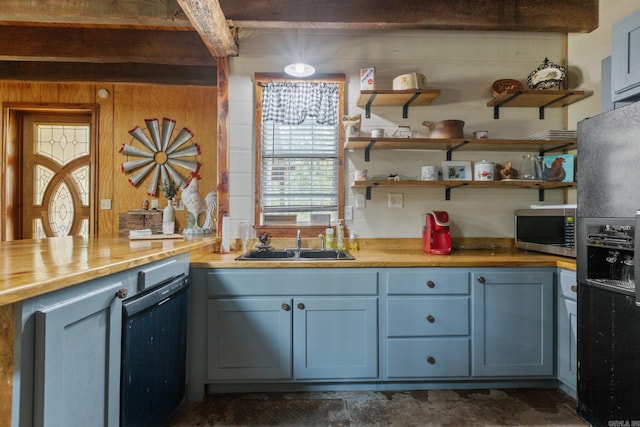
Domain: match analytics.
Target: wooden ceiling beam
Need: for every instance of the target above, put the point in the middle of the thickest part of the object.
(568, 16)
(184, 75)
(103, 45)
(209, 21)
(142, 14)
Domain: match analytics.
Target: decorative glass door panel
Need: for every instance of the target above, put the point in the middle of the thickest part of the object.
(57, 163)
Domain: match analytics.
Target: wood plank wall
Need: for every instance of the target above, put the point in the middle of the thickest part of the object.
(128, 106)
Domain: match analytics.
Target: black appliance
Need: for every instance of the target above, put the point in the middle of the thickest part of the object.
(154, 343)
(608, 298)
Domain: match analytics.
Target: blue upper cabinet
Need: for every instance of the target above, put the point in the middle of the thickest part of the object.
(625, 58)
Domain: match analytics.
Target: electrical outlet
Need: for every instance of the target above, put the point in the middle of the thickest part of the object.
(396, 200)
(348, 213)
(360, 201)
(105, 204)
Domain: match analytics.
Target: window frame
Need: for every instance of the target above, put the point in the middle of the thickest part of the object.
(306, 230)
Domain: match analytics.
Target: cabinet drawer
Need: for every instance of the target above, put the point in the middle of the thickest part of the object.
(568, 284)
(427, 281)
(427, 316)
(427, 357)
(292, 281)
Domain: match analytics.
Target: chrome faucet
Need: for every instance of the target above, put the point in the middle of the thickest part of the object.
(298, 241)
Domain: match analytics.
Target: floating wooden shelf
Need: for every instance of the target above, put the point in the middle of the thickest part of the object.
(448, 185)
(458, 144)
(540, 98)
(404, 98)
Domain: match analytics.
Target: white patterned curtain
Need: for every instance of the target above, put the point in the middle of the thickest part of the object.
(290, 103)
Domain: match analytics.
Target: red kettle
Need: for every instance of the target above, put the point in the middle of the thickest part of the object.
(436, 238)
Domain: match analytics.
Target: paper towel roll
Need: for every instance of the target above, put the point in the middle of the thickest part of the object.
(224, 244)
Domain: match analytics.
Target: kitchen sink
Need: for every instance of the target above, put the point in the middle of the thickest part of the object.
(294, 255)
(325, 254)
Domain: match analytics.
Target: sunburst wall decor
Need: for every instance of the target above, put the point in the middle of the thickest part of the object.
(159, 154)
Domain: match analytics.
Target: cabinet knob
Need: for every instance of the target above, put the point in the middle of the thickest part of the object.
(430, 318)
(122, 293)
(574, 288)
(286, 307)
(430, 284)
(301, 306)
(481, 279)
(431, 360)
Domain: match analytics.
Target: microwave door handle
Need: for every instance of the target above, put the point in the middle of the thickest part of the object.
(636, 258)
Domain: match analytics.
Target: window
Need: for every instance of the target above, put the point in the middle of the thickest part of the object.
(299, 153)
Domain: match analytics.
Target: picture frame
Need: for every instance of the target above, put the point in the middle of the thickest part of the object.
(456, 171)
(558, 167)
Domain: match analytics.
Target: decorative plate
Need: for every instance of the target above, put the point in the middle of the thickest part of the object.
(504, 85)
(546, 76)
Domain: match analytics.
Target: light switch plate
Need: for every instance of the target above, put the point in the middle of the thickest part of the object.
(360, 201)
(105, 204)
(348, 213)
(396, 200)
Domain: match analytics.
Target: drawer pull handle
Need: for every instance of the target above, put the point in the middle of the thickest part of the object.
(430, 318)
(430, 284)
(574, 288)
(122, 293)
(431, 360)
(301, 306)
(286, 307)
(481, 279)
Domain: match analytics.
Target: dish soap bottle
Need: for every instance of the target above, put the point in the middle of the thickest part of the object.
(340, 236)
(353, 241)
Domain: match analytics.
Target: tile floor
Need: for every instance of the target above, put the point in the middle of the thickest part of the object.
(513, 407)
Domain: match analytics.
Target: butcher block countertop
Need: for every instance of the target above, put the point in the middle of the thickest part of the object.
(400, 253)
(34, 267)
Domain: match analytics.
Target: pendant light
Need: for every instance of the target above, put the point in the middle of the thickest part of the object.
(300, 68)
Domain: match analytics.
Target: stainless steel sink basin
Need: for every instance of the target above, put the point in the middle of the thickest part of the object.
(326, 254)
(267, 255)
(294, 255)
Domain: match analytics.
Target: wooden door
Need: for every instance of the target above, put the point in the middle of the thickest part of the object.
(56, 153)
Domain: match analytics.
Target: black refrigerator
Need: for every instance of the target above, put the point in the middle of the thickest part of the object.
(608, 176)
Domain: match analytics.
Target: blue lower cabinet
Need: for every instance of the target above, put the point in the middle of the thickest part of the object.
(249, 338)
(335, 338)
(513, 316)
(427, 357)
(567, 329)
(290, 325)
(425, 325)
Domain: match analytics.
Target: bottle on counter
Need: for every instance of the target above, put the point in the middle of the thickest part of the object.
(329, 242)
(340, 236)
(353, 241)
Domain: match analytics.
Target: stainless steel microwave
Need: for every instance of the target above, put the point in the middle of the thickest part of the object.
(546, 230)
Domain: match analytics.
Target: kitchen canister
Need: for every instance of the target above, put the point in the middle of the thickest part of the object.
(429, 173)
(483, 171)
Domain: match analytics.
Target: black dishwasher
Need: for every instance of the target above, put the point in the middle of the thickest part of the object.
(154, 338)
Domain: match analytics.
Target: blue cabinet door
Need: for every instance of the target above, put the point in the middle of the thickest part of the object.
(249, 338)
(335, 338)
(77, 360)
(567, 332)
(513, 313)
(625, 58)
